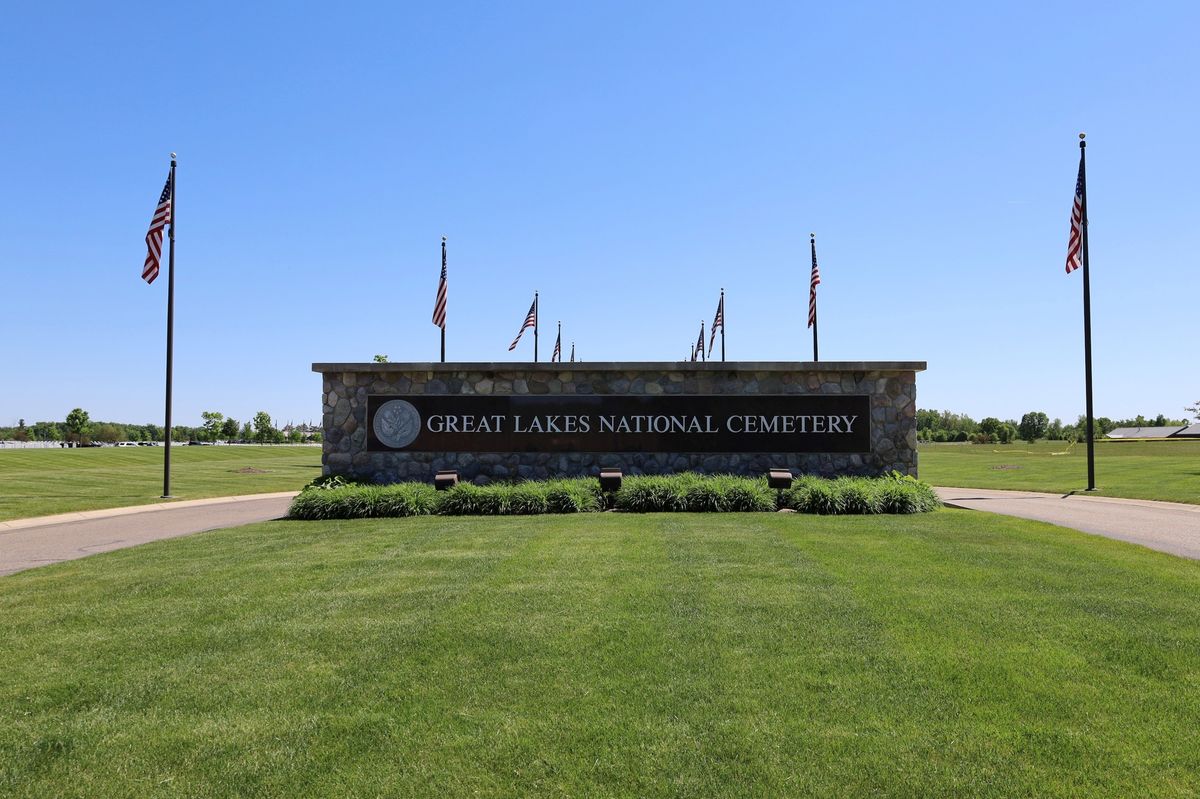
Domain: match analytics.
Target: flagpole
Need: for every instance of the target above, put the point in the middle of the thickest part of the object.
(535, 326)
(703, 354)
(722, 325)
(166, 494)
(1087, 319)
(812, 239)
(558, 341)
(443, 325)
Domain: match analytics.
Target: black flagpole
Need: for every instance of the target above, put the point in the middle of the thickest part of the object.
(722, 325)
(443, 325)
(558, 342)
(812, 239)
(1087, 319)
(703, 356)
(170, 337)
(535, 325)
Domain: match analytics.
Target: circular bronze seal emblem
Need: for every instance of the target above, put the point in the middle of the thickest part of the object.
(397, 423)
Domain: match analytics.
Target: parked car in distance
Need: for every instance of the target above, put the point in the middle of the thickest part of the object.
(126, 443)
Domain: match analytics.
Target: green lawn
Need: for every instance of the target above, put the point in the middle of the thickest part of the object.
(950, 654)
(39, 482)
(1163, 470)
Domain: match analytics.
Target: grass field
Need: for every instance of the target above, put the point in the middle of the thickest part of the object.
(39, 482)
(1163, 470)
(949, 654)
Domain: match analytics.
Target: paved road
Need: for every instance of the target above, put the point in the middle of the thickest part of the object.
(1166, 526)
(26, 543)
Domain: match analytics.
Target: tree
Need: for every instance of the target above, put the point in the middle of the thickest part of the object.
(381, 359)
(212, 424)
(109, 433)
(247, 432)
(264, 431)
(45, 431)
(1194, 410)
(229, 429)
(1033, 426)
(990, 425)
(79, 425)
(1006, 433)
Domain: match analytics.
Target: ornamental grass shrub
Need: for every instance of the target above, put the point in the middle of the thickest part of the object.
(579, 495)
(894, 493)
(746, 494)
(856, 495)
(337, 499)
(354, 501)
(655, 493)
(466, 499)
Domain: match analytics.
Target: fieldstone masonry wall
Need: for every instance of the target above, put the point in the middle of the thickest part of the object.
(345, 386)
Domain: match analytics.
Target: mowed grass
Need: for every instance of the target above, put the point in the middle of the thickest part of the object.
(40, 482)
(948, 654)
(1162, 470)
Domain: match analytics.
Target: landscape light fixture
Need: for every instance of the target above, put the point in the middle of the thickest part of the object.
(779, 478)
(444, 479)
(610, 480)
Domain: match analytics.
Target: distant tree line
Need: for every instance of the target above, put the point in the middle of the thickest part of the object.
(79, 429)
(947, 426)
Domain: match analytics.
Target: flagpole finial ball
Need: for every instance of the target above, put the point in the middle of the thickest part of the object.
(173, 156)
(1083, 135)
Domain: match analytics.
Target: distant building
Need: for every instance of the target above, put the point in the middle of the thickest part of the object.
(1191, 431)
(1151, 432)
(306, 431)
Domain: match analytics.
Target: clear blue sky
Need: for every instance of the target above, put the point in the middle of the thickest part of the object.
(628, 161)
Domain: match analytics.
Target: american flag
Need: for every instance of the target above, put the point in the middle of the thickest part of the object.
(1075, 243)
(719, 319)
(439, 305)
(154, 236)
(556, 357)
(700, 342)
(813, 282)
(530, 321)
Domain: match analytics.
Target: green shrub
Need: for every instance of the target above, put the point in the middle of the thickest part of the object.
(638, 494)
(580, 495)
(822, 498)
(466, 499)
(406, 499)
(342, 502)
(705, 496)
(654, 493)
(856, 495)
(903, 494)
(796, 497)
(746, 494)
(523, 499)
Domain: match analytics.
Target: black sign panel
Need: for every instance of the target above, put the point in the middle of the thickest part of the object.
(624, 423)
